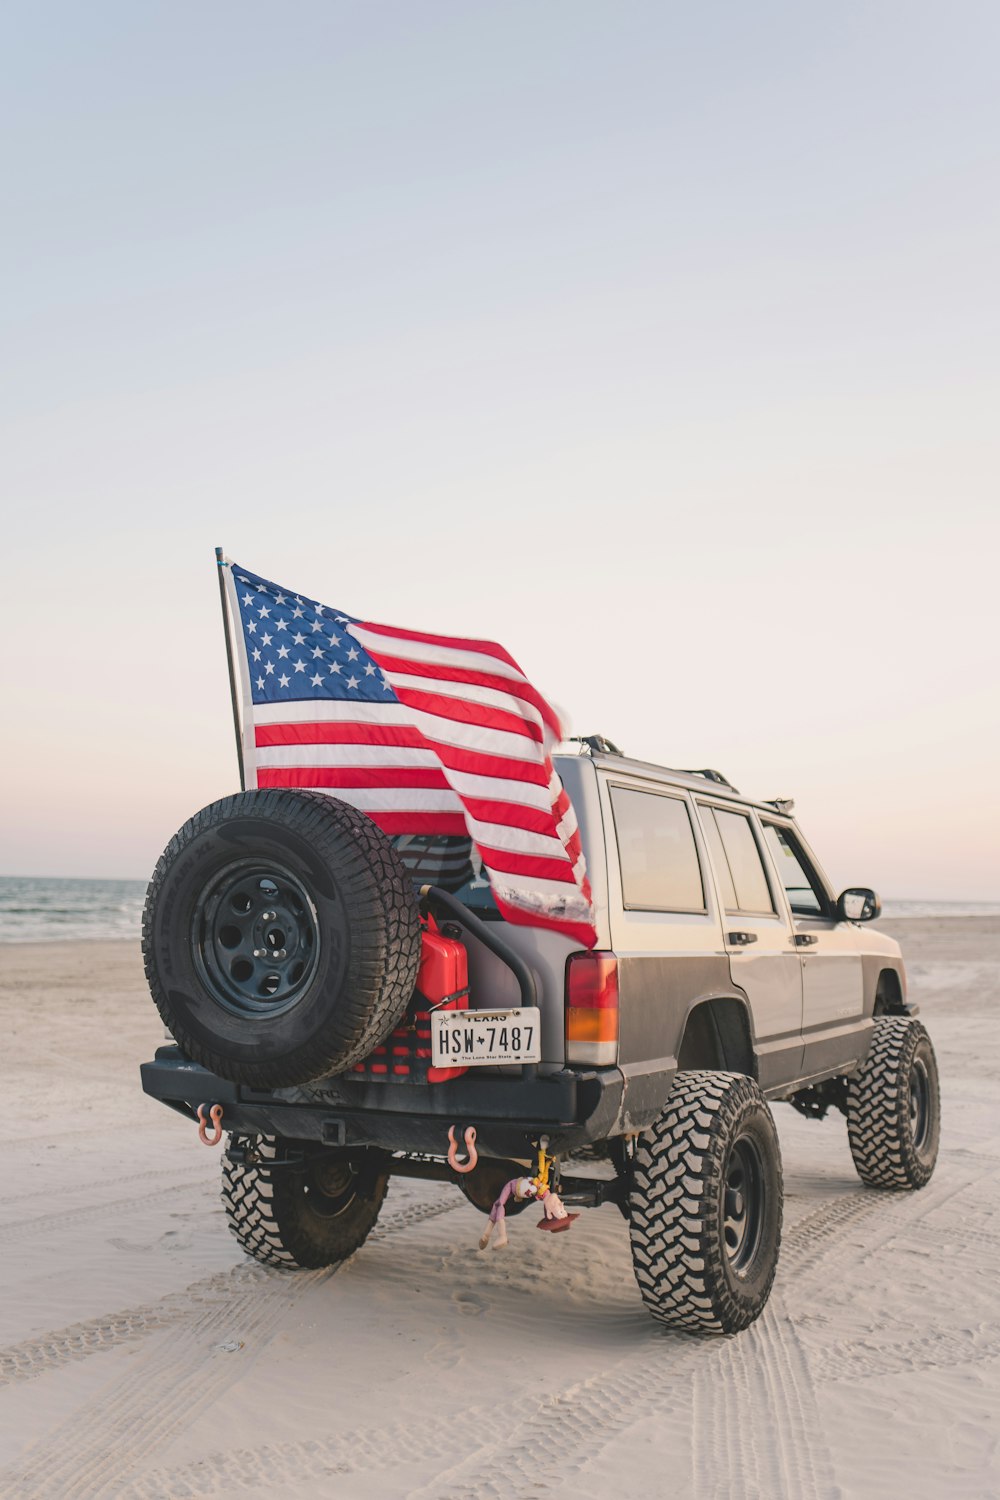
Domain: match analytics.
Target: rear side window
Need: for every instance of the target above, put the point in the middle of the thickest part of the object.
(737, 860)
(656, 852)
(713, 839)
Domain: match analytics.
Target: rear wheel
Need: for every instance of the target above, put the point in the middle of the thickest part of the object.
(302, 1216)
(894, 1107)
(705, 1208)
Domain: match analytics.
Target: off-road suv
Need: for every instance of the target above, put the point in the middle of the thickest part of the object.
(313, 974)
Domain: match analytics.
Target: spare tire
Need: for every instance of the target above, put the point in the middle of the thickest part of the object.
(280, 936)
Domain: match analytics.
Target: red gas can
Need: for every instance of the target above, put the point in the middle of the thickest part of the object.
(442, 984)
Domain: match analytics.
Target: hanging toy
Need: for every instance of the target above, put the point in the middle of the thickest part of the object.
(518, 1188)
(521, 1189)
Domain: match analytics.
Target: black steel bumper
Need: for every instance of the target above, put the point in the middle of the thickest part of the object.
(573, 1108)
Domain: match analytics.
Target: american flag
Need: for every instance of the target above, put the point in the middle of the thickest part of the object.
(427, 734)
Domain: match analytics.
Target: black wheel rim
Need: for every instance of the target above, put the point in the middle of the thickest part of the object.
(920, 1104)
(742, 1204)
(256, 938)
(329, 1188)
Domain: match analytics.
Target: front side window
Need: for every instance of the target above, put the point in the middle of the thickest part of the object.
(805, 894)
(656, 852)
(737, 860)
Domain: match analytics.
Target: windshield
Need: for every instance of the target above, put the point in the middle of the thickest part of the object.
(453, 863)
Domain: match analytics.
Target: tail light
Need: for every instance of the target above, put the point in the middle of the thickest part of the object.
(592, 1008)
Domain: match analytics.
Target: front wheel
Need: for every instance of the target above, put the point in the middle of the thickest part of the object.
(894, 1107)
(705, 1207)
(305, 1213)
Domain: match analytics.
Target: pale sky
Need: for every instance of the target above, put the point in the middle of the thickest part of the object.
(658, 342)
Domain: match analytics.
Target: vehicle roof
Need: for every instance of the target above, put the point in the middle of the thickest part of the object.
(693, 781)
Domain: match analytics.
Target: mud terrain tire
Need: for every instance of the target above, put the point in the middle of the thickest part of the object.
(298, 1219)
(705, 1206)
(280, 937)
(894, 1107)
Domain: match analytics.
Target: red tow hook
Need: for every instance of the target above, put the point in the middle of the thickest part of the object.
(216, 1114)
(470, 1146)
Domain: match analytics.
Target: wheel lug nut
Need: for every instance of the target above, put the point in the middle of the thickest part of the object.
(260, 953)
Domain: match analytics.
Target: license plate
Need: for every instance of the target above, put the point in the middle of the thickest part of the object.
(476, 1038)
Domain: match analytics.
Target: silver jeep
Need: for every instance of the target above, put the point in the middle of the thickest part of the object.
(282, 937)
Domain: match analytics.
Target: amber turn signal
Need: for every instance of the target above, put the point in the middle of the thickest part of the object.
(592, 1008)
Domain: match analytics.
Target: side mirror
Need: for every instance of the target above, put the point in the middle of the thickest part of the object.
(858, 904)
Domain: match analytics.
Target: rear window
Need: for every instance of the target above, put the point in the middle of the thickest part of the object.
(453, 863)
(656, 852)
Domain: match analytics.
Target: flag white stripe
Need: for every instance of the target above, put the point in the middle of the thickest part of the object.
(330, 711)
(373, 799)
(516, 840)
(377, 644)
(568, 826)
(362, 756)
(476, 738)
(473, 737)
(529, 885)
(422, 800)
(376, 757)
(497, 789)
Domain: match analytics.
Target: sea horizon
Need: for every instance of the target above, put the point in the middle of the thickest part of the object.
(68, 908)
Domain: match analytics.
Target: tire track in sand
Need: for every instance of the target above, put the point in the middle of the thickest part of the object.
(106, 1182)
(862, 1359)
(45, 1223)
(94, 1453)
(776, 1450)
(757, 1428)
(50, 1351)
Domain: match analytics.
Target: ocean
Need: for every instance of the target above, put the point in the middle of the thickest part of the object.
(37, 910)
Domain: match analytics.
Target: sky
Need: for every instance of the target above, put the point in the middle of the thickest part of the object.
(658, 342)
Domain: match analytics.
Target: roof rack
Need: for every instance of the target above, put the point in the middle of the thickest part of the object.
(710, 775)
(596, 744)
(781, 804)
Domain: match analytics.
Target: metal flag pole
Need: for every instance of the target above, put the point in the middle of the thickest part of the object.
(221, 564)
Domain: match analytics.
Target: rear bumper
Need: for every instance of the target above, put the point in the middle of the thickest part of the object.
(572, 1107)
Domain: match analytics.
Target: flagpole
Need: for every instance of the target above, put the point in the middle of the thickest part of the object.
(226, 625)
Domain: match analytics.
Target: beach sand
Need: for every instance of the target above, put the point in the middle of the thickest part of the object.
(142, 1355)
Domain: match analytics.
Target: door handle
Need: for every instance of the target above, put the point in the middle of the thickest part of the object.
(805, 939)
(741, 939)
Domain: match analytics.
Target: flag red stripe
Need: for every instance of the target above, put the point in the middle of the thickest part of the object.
(462, 711)
(561, 805)
(514, 814)
(337, 734)
(442, 673)
(475, 762)
(581, 932)
(418, 777)
(457, 643)
(531, 865)
(573, 847)
(413, 822)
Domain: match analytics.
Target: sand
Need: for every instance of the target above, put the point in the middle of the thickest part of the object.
(142, 1355)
